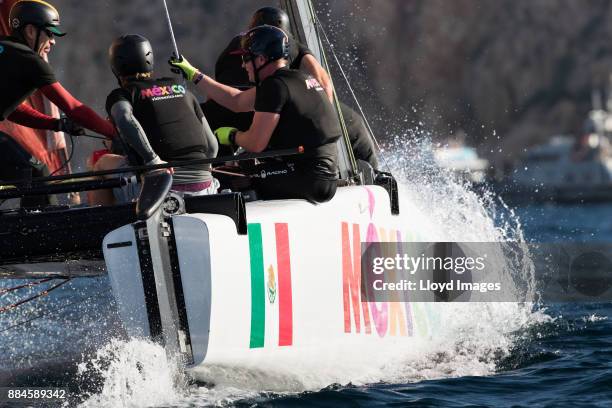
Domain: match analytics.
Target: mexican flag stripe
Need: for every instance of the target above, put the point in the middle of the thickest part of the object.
(258, 305)
(271, 291)
(285, 321)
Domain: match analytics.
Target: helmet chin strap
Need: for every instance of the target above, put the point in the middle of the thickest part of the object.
(118, 80)
(37, 42)
(22, 36)
(256, 70)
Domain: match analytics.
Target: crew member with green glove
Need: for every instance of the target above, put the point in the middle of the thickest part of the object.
(228, 71)
(291, 110)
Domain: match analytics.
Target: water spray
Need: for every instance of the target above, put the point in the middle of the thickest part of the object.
(350, 88)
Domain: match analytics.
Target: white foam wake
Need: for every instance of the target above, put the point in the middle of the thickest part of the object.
(134, 373)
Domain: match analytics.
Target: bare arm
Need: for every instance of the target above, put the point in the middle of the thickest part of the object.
(231, 98)
(211, 140)
(258, 136)
(210, 137)
(312, 66)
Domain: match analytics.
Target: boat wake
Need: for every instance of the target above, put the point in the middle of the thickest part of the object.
(470, 340)
(131, 373)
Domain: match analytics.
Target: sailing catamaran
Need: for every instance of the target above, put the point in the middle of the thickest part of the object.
(226, 279)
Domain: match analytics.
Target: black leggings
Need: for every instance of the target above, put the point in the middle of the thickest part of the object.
(276, 181)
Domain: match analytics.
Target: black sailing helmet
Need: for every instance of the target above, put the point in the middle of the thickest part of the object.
(270, 16)
(36, 12)
(266, 40)
(130, 54)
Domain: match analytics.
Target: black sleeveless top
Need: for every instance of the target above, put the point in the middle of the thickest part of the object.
(170, 116)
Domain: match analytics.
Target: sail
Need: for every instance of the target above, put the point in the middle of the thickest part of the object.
(48, 147)
(304, 23)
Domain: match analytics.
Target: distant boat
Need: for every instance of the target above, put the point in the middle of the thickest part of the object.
(463, 161)
(568, 168)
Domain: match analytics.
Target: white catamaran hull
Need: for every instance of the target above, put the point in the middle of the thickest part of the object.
(287, 291)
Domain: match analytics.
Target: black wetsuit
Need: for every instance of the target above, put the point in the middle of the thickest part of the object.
(229, 71)
(361, 138)
(171, 118)
(307, 119)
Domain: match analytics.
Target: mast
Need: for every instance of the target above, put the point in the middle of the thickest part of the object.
(303, 24)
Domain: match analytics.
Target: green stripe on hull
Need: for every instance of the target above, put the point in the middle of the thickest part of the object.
(258, 293)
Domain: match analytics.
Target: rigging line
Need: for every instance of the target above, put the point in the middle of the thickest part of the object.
(54, 312)
(26, 285)
(169, 22)
(177, 55)
(68, 159)
(140, 169)
(365, 119)
(38, 295)
(336, 101)
(229, 173)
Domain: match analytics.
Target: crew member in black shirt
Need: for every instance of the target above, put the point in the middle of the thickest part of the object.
(291, 110)
(229, 71)
(159, 121)
(34, 24)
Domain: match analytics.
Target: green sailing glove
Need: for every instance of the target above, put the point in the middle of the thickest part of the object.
(226, 135)
(183, 67)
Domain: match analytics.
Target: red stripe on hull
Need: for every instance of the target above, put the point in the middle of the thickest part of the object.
(285, 301)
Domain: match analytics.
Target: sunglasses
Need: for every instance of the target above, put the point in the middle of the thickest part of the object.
(247, 58)
(49, 34)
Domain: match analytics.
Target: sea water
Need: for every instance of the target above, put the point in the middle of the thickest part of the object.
(486, 354)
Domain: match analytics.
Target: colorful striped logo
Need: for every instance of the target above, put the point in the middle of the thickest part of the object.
(395, 318)
(265, 259)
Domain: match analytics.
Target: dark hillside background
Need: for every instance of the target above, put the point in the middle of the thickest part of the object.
(510, 73)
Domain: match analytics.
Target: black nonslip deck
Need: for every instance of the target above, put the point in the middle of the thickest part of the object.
(61, 233)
